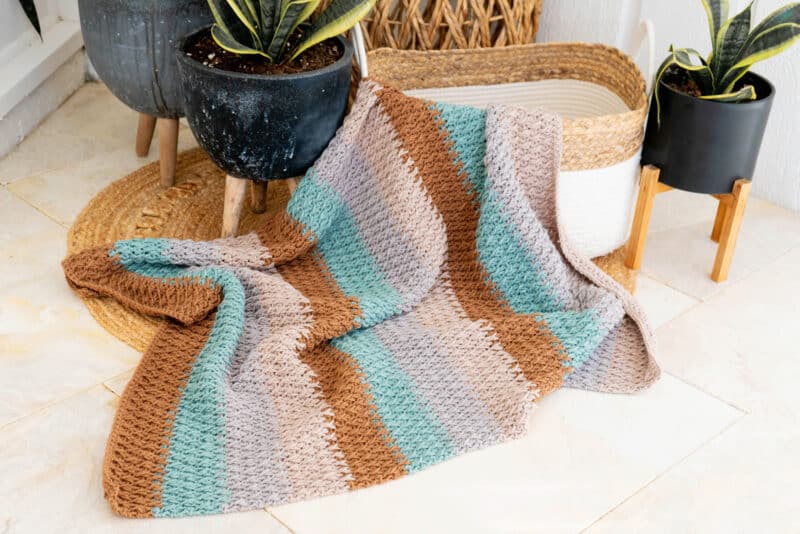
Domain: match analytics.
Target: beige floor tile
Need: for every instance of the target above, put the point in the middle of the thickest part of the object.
(50, 347)
(31, 244)
(63, 192)
(661, 303)
(743, 345)
(51, 465)
(744, 481)
(585, 453)
(91, 121)
(682, 257)
(680, 208)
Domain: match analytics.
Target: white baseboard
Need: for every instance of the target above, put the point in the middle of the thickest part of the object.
(38, 79)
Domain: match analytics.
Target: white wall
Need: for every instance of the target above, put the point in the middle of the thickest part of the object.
(16, 32)
(683, 23)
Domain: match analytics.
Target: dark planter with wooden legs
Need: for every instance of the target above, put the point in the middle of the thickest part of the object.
(702, 146)
(262, 127)
(132, 44)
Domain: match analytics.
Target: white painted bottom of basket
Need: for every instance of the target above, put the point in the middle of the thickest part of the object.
(596, 205)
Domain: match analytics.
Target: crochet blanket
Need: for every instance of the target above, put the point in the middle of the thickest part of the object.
(409, 306)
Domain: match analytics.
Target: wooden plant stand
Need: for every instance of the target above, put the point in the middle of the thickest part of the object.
(167, 144)
(726, 223)
(235, 191)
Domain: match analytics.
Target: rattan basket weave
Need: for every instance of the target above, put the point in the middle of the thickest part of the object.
(446, 24)
(589, 142)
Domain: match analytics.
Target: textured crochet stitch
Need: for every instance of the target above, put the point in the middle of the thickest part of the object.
(409, 306)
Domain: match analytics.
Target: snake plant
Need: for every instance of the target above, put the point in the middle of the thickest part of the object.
(30, 11)
(735, 47)
(263, 26)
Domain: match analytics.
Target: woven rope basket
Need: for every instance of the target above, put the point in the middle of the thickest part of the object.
(589, 142)
(440, 25)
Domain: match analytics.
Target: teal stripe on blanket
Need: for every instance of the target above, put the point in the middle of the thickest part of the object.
(346, 255)
(413, 427)
(510, 265)
(195, 483)
(511, 268)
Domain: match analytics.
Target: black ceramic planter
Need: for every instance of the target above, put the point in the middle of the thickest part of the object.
(132, 46)
(264, 127)
(705, 146)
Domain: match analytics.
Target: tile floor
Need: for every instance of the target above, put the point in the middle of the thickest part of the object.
(713, 446)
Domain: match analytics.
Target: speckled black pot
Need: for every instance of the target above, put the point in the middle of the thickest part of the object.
(705, 146)
(265, 127)
(132, 46)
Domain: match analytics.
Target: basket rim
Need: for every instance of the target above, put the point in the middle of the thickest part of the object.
(642, 99)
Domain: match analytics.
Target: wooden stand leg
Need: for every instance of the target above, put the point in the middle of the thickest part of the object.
(648, 188)
(258, 196)
(729, 232)
(235, 190)
(144, 134)
(719, 220)
(292, 184)
(168, 149)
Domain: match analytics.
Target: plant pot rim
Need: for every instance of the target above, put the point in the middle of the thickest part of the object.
(762, 79)
(188, 60)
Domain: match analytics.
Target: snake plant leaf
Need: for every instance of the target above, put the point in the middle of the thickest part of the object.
(729, 79)
(250, 22)
(747, 92)
(308, 10)
(730, 41)
(290, 11)
(226, 41)
(717, 13)
(30, 11)
(229, 22)
(269, 13)
(701, 74)
(338, 17)
(253, 11)
(789, 13)
(662, 69)
(769, 43)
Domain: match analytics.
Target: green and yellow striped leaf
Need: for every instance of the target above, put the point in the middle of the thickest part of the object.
(730, 78)
(308, 10)
(290, 11)
(270, 12)
(747, 92)
(717, 13)
(789, 13)
(226, 41)
(243, 13)
(338, 17)
(701, 74)
(769, 43)
(730, 41)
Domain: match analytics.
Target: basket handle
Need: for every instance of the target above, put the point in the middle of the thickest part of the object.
(647, 32)
(357, 36)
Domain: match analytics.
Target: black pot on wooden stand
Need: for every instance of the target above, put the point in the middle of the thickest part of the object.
(259, 127)
(132, 46)
(702, 146)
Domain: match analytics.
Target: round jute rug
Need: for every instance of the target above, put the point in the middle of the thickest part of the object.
(139, 206)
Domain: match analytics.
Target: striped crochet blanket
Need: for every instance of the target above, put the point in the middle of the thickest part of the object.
(409, 306)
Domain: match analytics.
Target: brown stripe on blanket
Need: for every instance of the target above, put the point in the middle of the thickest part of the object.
(526, 337)
(95, 272)
(360, 433)
(137, 448)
